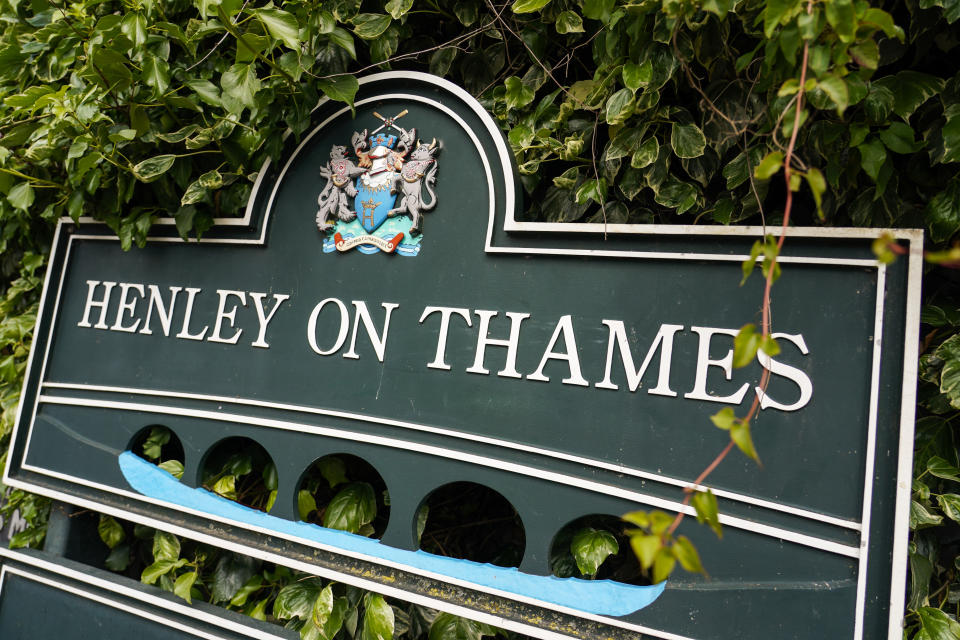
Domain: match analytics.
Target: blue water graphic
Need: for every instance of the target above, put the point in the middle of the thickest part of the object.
(603, 597)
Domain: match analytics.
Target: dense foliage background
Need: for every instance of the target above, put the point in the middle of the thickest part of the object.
(668, 111)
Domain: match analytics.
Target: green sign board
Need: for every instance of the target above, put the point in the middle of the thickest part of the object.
(382, 297)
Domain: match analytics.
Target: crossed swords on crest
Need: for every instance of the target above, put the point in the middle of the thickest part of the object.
(389, 122)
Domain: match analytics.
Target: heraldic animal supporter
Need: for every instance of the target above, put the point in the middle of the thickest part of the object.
(391, 185)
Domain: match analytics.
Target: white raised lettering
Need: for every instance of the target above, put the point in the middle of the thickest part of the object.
(483, 341)
(704, 363)
(91, 303)
(127, 306)
(263, 319)
(662, 341)
(185, 329)
(565, 326)
(439, 360)
(379, 342)
(223, 314)
(163, 313)
(312, 327)
(799, 378)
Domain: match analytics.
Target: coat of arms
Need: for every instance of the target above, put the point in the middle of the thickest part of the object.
(377, 202)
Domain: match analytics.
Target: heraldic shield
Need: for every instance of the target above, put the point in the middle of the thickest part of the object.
(391, 187)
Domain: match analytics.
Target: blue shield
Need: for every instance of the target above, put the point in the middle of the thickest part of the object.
(373, 200)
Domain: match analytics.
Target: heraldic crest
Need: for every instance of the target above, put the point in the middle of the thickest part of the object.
(377, 202)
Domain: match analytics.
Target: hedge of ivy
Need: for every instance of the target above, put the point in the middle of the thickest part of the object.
(639, 111)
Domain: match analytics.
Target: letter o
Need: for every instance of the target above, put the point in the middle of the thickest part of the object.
(312, 327)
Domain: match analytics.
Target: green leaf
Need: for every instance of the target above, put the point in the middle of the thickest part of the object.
(920, 517)
(195, 193)
(281, 26)
(724, 419)
(836, 90)
(371, 25)
(872, 156)
(21, 196)
(950, 505)
(159, 568)
(569, 22)
(183, 585)
(910, 90)
(567, 179)
(663, 565)
(775, 12)
(110, 531)
(884, 20)
(687, 140)
(637, 76)
(770, 165)
(940, 468)
(528, 6)
(646, 154)
(341, 88)
(518, 94)
(719, 7)
(378, 618)
(134, 26)
(231, 573)
(687, 555)
(842, 17)
(899, 138)
(740, 434)
(397, 8)
(937, 625)
(354, 506)
(333, 470)
(705, 504)
(943, 219)
(343, 39)
(447, 626)
(745, 345)
(619, 107)
(152, 168)
(119, 558)
(646, 548)
(306, 504)
(156, 73)
(207, 91)
(296, 600)
(818, 185)
(166, 546)
(240, 86)
(595, 190)
(590, 547)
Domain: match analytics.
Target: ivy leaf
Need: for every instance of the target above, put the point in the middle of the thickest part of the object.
(872, 156)
(240, 86)
(920, 517)
(842, 17)
(569, 22)
(232, 572)
(910, 89)
(518, 94)
(646, 548)
(341, 88)
(740, 434)
(646, 154)
(110, 531)
(183, 585)
(567, 179)
(296, 600)
(724, 419)
(226, 486)
(770, 164)
(160, 568)
(119, 558)
(333, 470)
(152, 168)
(306, 504)
(447, 626)
(745, 345)
(836, 90)
(397, 8)
(663, 565)
(354, 506)
(134, 26)
(281, 26)
(687, 140)
(937, 625)
(705, 504)
(21, 196)
(950, 505)
(371, 25)
(687, 555)
(774, 12)
(940, 468)
(528, 6)
(378, 619)
(595, 190)
(818, 185)
(195, 193)
(943, 219)
(156, 73)
(590, 547)
(619, 107)
(166, 546)
(899, 138)
(637, 76)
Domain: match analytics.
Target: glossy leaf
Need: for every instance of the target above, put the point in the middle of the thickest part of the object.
(378, 619)
(687, 140)
(354, 506)
(281, 26)
(590, 547)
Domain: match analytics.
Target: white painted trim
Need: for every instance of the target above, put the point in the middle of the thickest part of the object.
(362, 583)
(908, 405)
(504, 465)
(87, 595)
(506, 444)
(870, 452)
